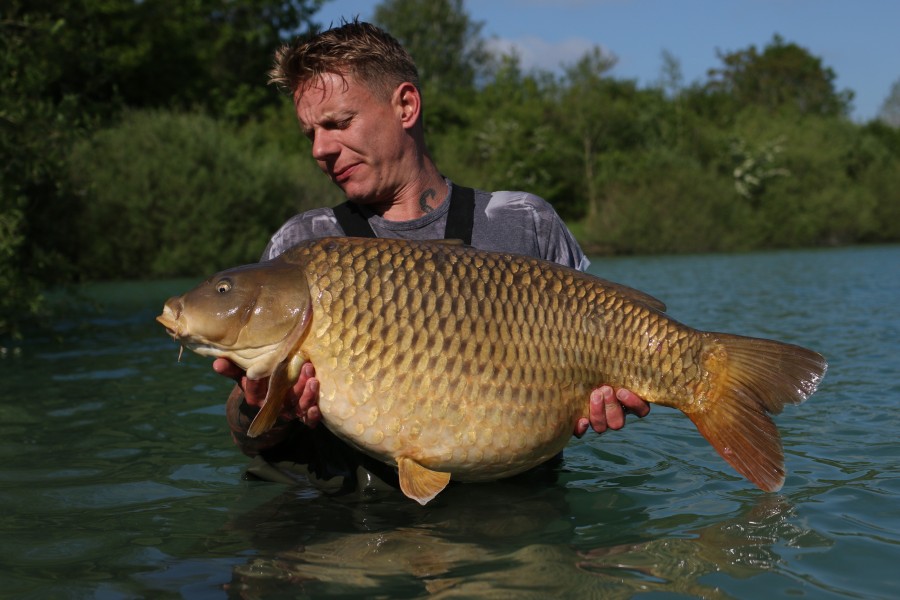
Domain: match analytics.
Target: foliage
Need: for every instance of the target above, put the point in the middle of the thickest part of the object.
(782, 76)
(507, 141)
(35, 133)
(658, 201)
(169, 194)
(449, 52)
(138, 139)
(156, 53)
(889, 114)
(68, 66)
(440, 36)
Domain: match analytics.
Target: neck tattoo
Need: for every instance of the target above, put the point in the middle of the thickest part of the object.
(423, 200)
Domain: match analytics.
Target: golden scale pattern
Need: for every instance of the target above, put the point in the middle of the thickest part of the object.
(451, 335)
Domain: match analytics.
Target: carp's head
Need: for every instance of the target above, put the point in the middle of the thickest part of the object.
(253, 315)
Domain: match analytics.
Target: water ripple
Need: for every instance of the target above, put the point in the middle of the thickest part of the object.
(120, 478)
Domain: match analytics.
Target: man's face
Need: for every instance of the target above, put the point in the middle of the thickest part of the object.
(357, 137)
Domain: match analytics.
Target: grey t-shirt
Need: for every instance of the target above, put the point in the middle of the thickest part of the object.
(504, 222)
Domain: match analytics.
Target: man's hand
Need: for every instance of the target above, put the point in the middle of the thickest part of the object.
(303, 398)
(608, 409)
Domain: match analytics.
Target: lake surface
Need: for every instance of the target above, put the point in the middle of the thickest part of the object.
(119, 478)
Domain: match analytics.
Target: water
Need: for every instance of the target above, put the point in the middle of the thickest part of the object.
(119, 479)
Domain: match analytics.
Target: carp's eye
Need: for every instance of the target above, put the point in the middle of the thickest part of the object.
(224, 286)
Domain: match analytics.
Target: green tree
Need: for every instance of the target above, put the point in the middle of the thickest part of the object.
(588, 113)
(446, 44)
(889, 113)
(805, 181)
(783, 75)
(671, 81)
(171, 194)
(662, 201)
(70, 65)
(210, 54)
(608, 123)
(509, 143)
(36, 129)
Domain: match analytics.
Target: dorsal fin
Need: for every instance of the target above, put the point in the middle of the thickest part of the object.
(634, 295)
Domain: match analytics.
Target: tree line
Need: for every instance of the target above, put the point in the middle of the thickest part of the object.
(140, 140)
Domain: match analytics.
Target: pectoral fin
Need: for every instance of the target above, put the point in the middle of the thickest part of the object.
(280, 383)
(283, 377)
(420, 483)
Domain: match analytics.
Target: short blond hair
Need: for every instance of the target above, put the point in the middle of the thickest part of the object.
(362, 50)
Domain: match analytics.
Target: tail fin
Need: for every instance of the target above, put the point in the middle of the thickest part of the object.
(751, 378)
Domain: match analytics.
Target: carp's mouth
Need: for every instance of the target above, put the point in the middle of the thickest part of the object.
(171, 320)
(176, 324)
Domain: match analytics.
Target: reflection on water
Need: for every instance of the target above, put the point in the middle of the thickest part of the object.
(362, 547)
(476, 545)
(119, 479)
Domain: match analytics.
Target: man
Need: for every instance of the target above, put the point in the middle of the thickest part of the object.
(356, 95)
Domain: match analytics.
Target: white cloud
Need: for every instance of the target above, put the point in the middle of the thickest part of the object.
(557, 4)
(535, 52)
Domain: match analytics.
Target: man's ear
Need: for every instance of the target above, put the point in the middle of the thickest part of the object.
(408, 104)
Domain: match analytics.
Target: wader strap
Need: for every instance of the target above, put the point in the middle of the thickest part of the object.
(352, 221)
(460, 217)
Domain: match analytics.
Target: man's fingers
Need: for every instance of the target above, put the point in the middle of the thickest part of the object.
(581, 427)
(309, 396)
(255, 390)
(633, 403)
(598, 408)
(313, 417)
(609, 408)
(308, 403)
(306, 373)
(615, 414)
(306, 388)
(225, 367)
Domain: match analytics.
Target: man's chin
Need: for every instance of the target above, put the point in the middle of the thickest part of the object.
(356, 196)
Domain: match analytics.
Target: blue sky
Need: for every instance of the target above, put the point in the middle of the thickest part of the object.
(858, 39)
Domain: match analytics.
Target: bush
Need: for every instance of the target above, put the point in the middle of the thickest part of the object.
(824, 198)
(661, 202)
(169, 194)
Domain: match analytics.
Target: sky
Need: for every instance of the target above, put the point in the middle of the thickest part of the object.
(858, 39)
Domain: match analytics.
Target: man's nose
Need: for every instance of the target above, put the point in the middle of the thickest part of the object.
(324, 145)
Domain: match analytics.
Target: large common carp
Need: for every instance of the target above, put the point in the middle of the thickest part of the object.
(448, 361)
